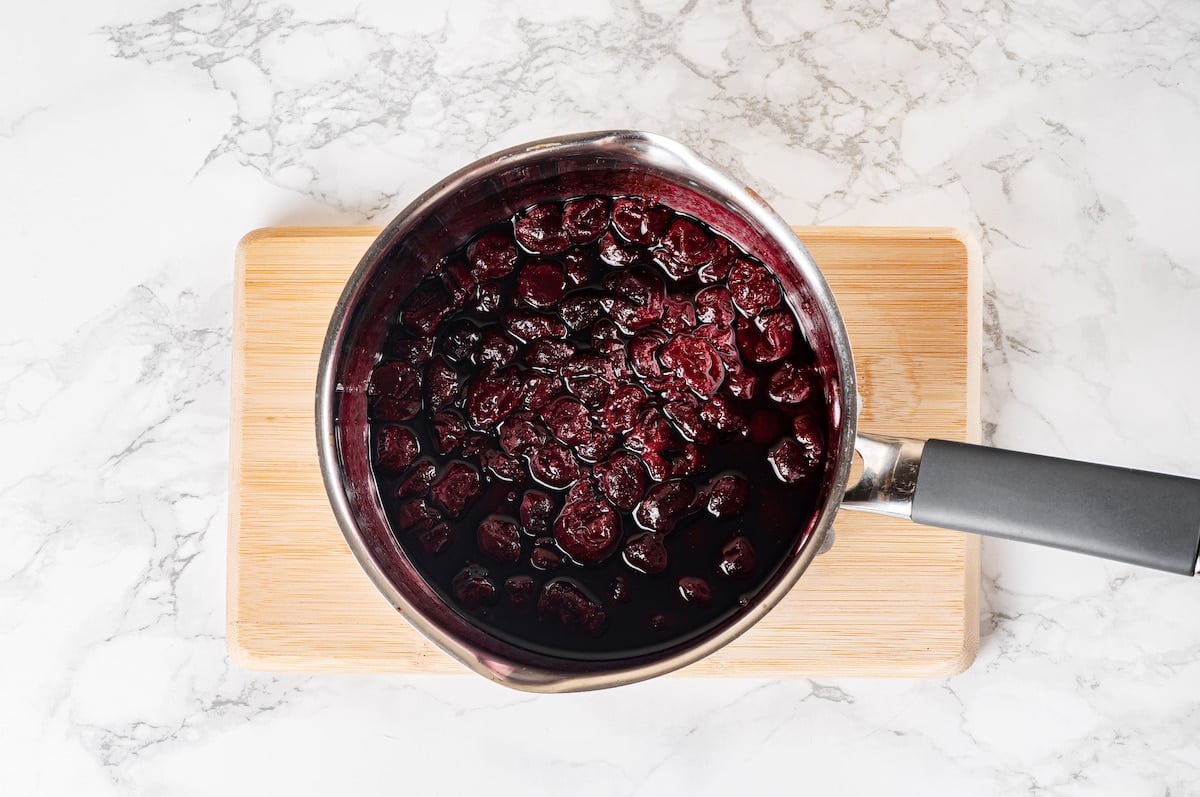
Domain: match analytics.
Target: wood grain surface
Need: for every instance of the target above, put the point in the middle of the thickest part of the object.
(891, 598)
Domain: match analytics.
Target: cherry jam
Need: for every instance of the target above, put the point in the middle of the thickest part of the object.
(597, 427)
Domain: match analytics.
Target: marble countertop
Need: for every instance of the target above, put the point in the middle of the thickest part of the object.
(140, 140)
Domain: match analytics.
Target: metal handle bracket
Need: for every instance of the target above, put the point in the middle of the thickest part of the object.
(889, 475)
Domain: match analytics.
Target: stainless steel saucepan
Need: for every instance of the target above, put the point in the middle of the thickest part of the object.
(1132, 516)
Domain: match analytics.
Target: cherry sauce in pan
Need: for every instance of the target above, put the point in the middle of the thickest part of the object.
(597, 428)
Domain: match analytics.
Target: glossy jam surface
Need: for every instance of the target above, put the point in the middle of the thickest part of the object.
(597, 427)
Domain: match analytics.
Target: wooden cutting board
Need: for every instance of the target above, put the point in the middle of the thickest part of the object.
(890, 598)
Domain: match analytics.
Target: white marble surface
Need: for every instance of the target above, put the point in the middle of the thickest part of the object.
(139, 140)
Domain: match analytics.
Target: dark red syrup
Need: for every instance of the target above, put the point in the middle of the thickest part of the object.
(597, 427)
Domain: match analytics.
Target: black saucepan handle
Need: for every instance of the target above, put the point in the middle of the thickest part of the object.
(1134, 516)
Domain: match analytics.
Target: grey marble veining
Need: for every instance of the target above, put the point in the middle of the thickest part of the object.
(139, 141)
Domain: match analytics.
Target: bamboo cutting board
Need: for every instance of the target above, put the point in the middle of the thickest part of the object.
(890, 598)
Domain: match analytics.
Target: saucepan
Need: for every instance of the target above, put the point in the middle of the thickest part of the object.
(1143, 518)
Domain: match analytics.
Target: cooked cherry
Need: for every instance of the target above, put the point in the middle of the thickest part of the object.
(622, 480)
(542, 283)
(490, 299)
(694, 361)
(665, 504)
(616, 252)
(540, 229)
(714, 305)
(520, 434)
(554, 466)
(614, 351)
(413, 350)
(520, 590)
(741, 385)
(640, 220)
(587, 531)
(419, 479)
(621, 409)
(396, 391)
(575, 266)
(427, 306)
(473, 588)
(460, 282)
(776, 330)
(493, 255)
(721, 259)
(686, 415)
(493, 395)
(415, 514)
(572, 607)
(578, 312)
(661, 624)
(397, 447)
(500, 539)
(643, 353)
(679, 315)
(461, 340)
(595, 445)
(650, 433)
(528, 326)
(456, 487)
(441, 382)
(737, 558)
(791, 384)
(646, 553)
(549, 354)
(724, 343)
(695, 591)
(637, 302)
(727, 495)
(752, 287)
(495, 348)
(590, 377)
(685, 246)
(503, 467)
(689, 461)
(434, 540)
(538, 388)
(475, 444)
(790, 461)
(449, 431)
(544, 558)
(567, 419)
(808, 435)
(721, 414)
(537, 509)
(585, 219)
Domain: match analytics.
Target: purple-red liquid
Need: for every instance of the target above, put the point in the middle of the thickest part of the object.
(597, 428)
